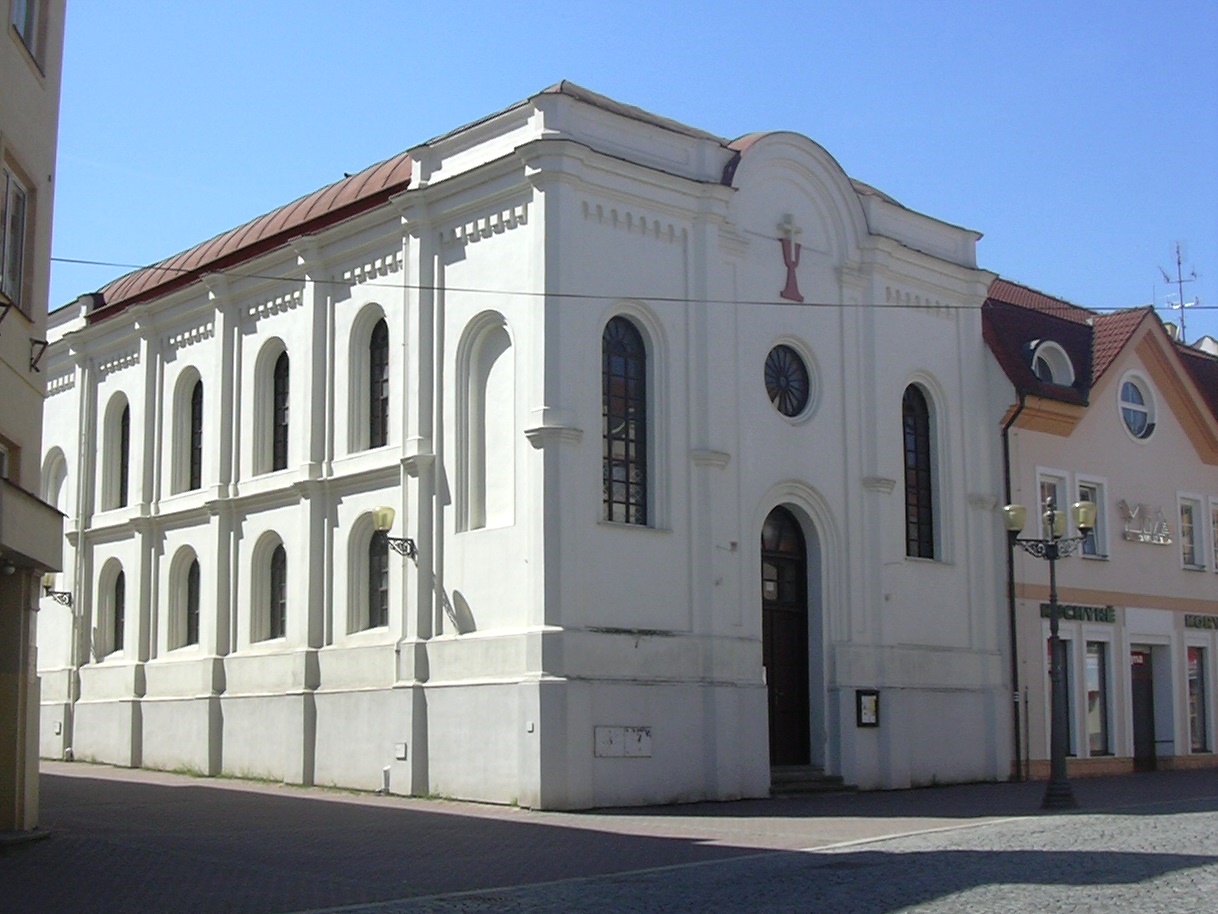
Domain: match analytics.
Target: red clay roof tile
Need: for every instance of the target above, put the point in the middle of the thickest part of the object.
(333, 203)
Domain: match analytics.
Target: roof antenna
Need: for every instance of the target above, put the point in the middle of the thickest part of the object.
(1180, 280)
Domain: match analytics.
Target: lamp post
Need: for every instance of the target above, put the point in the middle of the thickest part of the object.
(1053, 546)
(382, 520)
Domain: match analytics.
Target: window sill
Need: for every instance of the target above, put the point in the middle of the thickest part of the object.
(922, 560)
(622, 525)
(1194, 567)
(1093, 558)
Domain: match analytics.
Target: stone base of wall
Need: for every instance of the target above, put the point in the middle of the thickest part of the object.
(1038, 769)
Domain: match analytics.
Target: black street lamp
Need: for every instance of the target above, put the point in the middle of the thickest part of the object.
(1053, 546)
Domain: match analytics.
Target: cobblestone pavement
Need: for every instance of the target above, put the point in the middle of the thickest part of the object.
(125, 841)
(1158, 861)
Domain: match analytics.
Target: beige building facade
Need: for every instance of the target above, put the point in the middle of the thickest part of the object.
(1113, 409)
(31, 531)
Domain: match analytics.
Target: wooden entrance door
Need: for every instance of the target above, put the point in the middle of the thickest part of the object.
(1142, 678)
(784, 636)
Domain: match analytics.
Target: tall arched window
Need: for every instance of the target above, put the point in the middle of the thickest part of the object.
(624, 422)
(378, 580)
(118, 612)
(192, 603)
(124, 454)
(378, 385)
(277, 609)
(195, 480)
(279, 414)
(919, 475)
(486, 425)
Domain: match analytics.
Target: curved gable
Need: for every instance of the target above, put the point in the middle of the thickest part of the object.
(784, 173)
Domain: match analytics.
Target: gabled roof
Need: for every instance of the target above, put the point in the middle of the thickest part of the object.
(1016, 317)
(332, 203)
(1203, 368)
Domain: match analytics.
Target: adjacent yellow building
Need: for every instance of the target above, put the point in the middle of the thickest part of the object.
(31, 531)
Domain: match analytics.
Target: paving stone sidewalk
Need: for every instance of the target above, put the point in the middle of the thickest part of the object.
(126, 840)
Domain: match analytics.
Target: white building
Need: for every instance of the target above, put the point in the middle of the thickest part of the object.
(31, 531)
(683, 429)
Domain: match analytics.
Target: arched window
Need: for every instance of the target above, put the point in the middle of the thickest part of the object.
(118, 613)
(192, 603)
(123, 457)
(54, 477)
(378, 385)
(378, 580)
(277, 607)
(624, 422)
(919, 475)
(486, 425)
(195, 480)
(279, 414)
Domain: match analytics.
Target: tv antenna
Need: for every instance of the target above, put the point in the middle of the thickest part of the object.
(1180, 280)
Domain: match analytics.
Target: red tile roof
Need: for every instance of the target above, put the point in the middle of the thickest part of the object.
(1027, 297)
(1112, 332)
(333, 203)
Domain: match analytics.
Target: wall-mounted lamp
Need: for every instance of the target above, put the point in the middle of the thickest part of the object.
(382, 520)
(63, 597)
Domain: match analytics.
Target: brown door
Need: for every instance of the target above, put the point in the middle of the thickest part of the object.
(1142, 677)
(784, 636)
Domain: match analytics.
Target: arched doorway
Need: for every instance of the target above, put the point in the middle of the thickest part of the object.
(784, 637)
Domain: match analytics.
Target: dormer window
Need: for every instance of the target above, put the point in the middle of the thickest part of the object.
(1050, 363)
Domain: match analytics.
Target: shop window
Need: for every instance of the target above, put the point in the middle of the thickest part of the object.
(1098, 742)
(1198, 719)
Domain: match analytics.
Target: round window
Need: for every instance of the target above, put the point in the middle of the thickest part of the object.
(787, 381)
(1136, 409)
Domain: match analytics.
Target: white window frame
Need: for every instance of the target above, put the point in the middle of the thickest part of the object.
(1100, 533)
(1148, 404)
(1062, 480)
(12, 280)
(1061, 369)
(26, 18)
(1213, 523)
(1199, 541)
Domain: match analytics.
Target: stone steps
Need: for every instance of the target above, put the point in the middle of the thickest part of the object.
(789, 780)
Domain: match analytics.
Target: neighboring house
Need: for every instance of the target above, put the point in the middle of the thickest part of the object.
(1111, 409)
(686, 432)
(31, 532)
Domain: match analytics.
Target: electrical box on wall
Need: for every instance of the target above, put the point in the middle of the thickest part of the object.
(622, 742)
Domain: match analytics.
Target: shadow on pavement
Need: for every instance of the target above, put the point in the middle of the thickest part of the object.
(121, 845)
(1130, 794)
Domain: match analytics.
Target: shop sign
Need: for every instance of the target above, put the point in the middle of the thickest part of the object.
(1142, 527)
(1075, 613)
(1193, 621)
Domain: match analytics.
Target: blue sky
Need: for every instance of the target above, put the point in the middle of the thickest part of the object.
(1080, 137)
